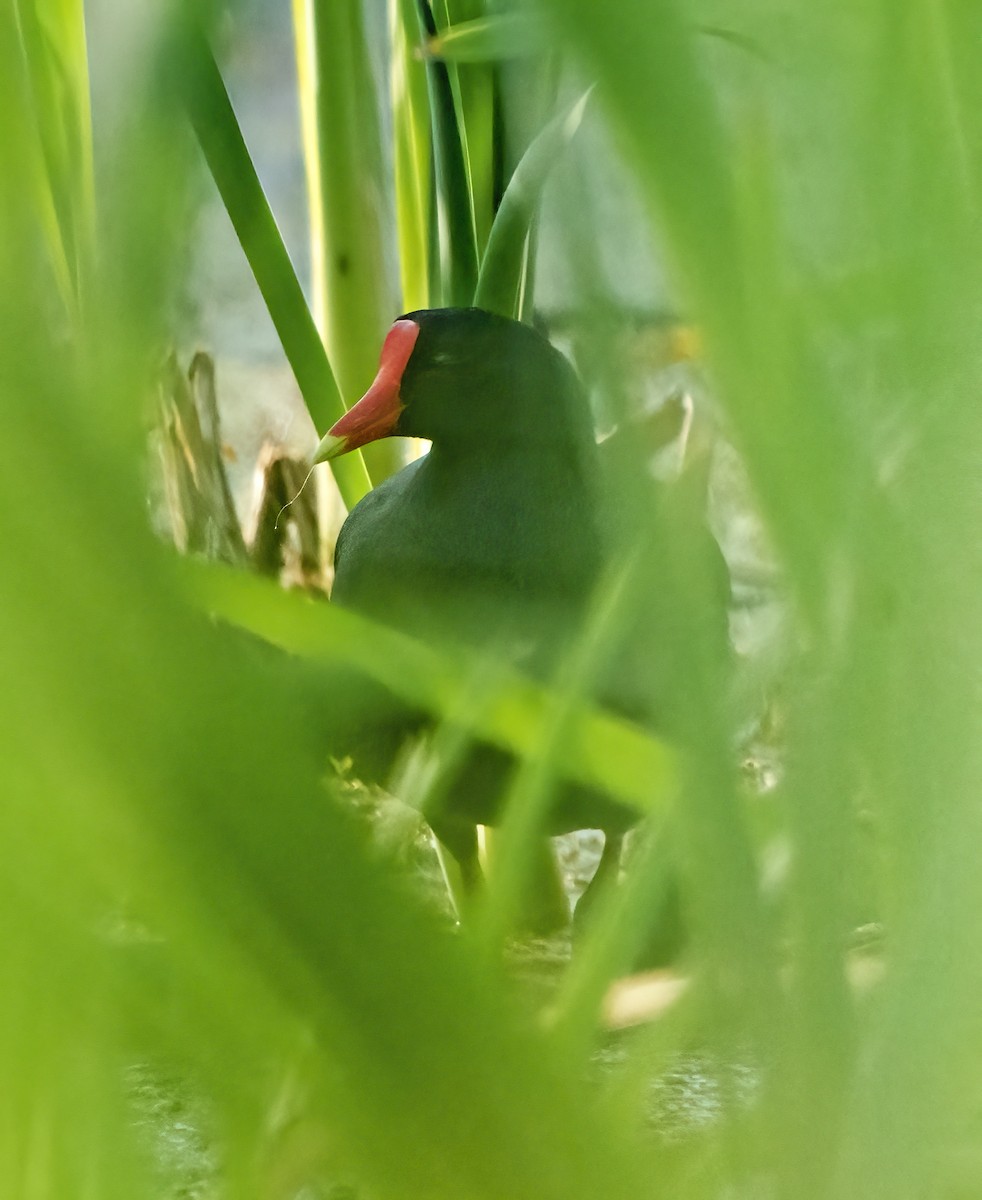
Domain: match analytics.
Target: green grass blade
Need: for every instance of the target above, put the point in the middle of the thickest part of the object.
(231, 166)
(529, 798)
(474, 90)
(354, 299)
(55, 62)
(455, 212)
(413, 156)
(500, 281)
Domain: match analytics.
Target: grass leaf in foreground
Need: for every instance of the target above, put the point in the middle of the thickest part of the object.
(604, 750)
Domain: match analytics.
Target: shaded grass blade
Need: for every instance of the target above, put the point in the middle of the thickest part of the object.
(474, 89)
(454, 212)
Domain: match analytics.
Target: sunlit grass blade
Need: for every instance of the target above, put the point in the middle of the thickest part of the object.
(412, 155)
(245, 202)
(55, 63)
(354, 297)
(499, 285)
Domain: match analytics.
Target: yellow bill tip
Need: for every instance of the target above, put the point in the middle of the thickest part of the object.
(330, 446)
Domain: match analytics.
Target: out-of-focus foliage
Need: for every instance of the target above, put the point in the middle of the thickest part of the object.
(827, 238)
(185, 892)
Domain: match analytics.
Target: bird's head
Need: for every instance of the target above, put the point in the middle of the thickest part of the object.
(464, 377)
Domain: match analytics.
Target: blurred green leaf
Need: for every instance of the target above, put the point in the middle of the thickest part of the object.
(55, 65)
(187, 901)
(488, 39)
(603, 750)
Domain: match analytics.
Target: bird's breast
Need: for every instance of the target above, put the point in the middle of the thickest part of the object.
(469, 554)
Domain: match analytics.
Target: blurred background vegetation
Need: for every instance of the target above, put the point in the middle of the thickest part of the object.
(212, 981)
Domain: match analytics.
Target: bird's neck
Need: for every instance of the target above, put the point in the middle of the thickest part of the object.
(534, 469)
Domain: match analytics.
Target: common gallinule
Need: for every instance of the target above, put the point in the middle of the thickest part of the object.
(496, 537)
